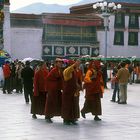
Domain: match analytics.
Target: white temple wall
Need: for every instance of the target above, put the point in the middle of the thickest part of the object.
(26, 42)
(117, 50)
(6, 30)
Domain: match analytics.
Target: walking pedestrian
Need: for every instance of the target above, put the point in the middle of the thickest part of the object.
(123, 77)
(19, 84)
(53, 99)
(116, 88)
(7, 74)
(13, 76)
(94, 87)
(27, 74)
(104, 73)
(40, 90)
(70, 108)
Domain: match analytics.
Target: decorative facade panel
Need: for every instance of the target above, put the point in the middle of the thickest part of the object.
(95, 52)
(59, 50)
(66, 51)
(47, 50)
(84, 51)
(72, 50)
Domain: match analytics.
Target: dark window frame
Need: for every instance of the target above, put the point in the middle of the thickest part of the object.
(121, 23)
(135, 42)
(121, 38)
(134, 25)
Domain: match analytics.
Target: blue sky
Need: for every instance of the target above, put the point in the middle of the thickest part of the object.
(15, 4)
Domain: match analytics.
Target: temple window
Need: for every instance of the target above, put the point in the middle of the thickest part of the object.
(119, 20)
(64, 33)
(119, 38)
(133, 21)
(133, 38)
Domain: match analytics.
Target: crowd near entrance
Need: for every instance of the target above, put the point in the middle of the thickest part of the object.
(53, 87)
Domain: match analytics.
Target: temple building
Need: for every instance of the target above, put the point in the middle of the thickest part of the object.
(124, 29)
(70, 35)
(51, 35)
(79, 33)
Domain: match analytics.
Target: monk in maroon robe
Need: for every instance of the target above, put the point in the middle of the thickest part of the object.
(70, 102)
(40, 90)
(94, 90)
(53, 99)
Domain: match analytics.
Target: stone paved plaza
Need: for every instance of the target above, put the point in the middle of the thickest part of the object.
(119, 122)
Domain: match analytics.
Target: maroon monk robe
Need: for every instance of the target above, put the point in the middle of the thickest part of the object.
(53, 100)
(93, 92)
(70, 106)
(40, 90)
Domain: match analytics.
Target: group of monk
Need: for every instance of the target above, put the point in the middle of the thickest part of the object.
(57, 92)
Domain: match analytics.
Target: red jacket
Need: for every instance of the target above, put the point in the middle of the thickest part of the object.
(6, 70)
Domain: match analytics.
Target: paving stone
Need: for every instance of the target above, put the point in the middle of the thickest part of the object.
(119, 122)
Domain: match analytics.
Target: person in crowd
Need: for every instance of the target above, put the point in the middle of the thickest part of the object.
(7, 74)
(1, 76)
(19, 84)
(130, 68)
(115, 84)
(13, 76)
(70, 108)
(94, 88)
(105, 76)
(86, 67)
(116, 87)
(137, 71)
(40, 90)
(79, 77)
(27, 75)
(53, 99)
(82, 67)
(123, 77)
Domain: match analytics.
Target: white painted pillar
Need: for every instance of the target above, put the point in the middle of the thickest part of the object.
(7, 29)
